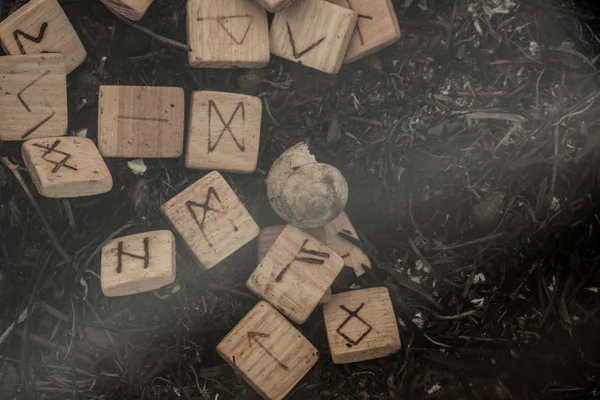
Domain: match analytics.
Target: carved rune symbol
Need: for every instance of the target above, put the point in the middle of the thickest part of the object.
(357, 29)
(308, 260)
(26, 105)
(206, 208)
(121, 253)
(52, 150)
(34, 39)
(222, 20)
(293, 43)
(353, 314)
(226, 126)
(254, 336)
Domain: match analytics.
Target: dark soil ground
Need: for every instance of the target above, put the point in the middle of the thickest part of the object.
(471, 151)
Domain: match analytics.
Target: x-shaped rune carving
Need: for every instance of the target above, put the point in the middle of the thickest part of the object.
(51, 150)
(206, 208)
(353, 314)
(226, 126)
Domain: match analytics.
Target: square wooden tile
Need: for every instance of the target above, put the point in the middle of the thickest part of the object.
(269, 353)
(66, 167)
(138, 263)
(224, 132)
(274, 5)
(361, 325)
(141, 121)
(353, 256)
(41, 26)
(377, 27)
(314, 33)
(225, 34)
(211, 219)
(33, 96)
(295, 273)
(132, 9)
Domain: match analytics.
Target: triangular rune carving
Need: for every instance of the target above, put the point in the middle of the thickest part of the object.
(221, 21)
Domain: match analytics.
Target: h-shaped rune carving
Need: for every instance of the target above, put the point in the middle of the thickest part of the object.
(353, 314)
(221, 22)
(308, 260)
(226, 126)
(34, 39)
(206, 207)
(51, 150)
(121, 253)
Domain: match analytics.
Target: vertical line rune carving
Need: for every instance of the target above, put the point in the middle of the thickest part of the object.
(308, 260)
(121, 253)
(206, 208)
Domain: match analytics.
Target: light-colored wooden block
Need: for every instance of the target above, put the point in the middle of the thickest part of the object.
(132, 9)
(141, 122)
(269, 353)
(275, 6)
(211, 219)
(314, 33)
(353, 256)
(33, 96)
(41, 26)
(138, 263)
(377, 27)
(66, 167)
(267, 237)
(361, 325)
(295, 273)
(224, 132)
(225, 34)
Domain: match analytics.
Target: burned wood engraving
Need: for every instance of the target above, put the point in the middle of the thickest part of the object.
(28, 108)
(221, 21)
(353, 314)
(304, 259)
(17, 34)
(254, 337)
(293, 43)
(226, 126)
(132, 118)
(357, 30)
(206, 208)
(52, 150)
(121, 253)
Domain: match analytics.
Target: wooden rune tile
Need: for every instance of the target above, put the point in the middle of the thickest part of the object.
(224, 132)
(267, 237)
(377, 27)
(274, 5)
(361, 325)
(66, 167)
(138, 263)
(211, 219)
(338, 236)
(41, 26)
(295, 273)
(33, 96)
(132, 9)
(225, 34)
(314, 33)
(141, 121)
(269, 353)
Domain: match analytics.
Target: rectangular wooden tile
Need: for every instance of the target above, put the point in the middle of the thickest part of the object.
(33, 96)
(138, 263)
(141, 121)
(131, 9)
(41, 26)
(225, 34)
(361, 325)
(274, 5)
(314, 33)
(353, 256)
(211, 219)
(224, 132)
(269, 353)
(66, 167)
(377, 27)
(295, 273)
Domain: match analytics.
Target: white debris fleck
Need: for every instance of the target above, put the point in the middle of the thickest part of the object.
(81, 133)
(419, 265)
(478, 302)
(416, 279)
(436, 387)
(534, 48)
(479, 278)
(555, 204)
(592, 289)
(138, 166)
(418, 320)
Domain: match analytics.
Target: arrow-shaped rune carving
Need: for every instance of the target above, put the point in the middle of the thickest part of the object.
(254, 337)
(24, 103)
(293, 43)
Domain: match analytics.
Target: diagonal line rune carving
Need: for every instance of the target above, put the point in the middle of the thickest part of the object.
(353, 314)
(28, 108)
(226, 126)
(357, 29)
(34, 39)
(51, 149)
(293, 43)
(221, 22)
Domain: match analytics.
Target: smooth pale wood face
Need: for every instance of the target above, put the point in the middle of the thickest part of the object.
(224, 132)
(361, 325)
(138, 263)
(132, 9)
(377, 27)
(353, 256)
(267, 237)
(141, 122)
(41, 26)
(211, 219)
(295, 273)
(66, 167)
(33, 96)
(269, 353)
(225, 34)
(274, 5)
(314, 33)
